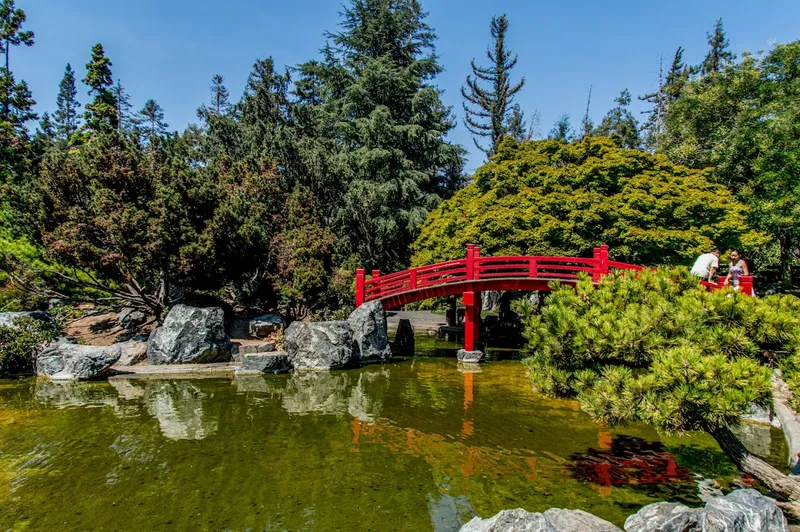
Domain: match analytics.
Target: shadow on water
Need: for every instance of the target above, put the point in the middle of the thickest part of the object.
(419, 444)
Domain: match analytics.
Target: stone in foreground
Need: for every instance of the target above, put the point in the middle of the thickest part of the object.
(741, 511)
(65, 360)
(264, 325)
(368, 326)
(553, 520)
(7, 318)
(470, 356)
(264, 363)
(190, 335)
(322, 345)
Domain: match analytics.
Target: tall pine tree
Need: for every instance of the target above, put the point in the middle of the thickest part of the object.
(620, 122)
(151, 122)
(11, 34)
(66, 118)
(487, 110)
(102, 111)
(126, 121)
(562, 129)
(389, 125)
(718, 56)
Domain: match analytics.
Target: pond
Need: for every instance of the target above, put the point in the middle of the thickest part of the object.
(419, 444)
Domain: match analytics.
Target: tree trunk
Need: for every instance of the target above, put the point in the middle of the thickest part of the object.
(777, 482)
(785, 242)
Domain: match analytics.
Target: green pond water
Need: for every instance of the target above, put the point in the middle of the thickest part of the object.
(419, 444)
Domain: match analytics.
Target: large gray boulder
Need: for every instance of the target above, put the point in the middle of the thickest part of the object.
(190, 335)
(553, 520)
(320, 345)
(664, 517)
(741, 511)
(64, 360)
(368, 326)
(7, 318)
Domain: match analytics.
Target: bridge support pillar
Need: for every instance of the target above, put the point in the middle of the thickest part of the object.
(472, 319)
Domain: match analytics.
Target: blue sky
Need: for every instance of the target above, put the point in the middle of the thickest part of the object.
(169, 49)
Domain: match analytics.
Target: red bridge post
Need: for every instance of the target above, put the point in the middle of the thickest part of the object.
(472, 300)
(360, 277)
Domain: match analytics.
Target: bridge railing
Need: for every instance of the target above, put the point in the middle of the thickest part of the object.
(475, 268)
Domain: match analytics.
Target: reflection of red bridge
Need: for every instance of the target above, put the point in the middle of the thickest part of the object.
(474, 274)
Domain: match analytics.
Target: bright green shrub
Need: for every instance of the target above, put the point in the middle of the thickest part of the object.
(657, 347)
(20, 344)
(552, 198)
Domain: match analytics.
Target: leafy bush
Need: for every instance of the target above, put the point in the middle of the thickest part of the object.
(656, 348)
(595, 343)
(551, 198)
(20, 344)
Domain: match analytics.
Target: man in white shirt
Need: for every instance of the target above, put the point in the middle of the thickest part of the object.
(706, 265)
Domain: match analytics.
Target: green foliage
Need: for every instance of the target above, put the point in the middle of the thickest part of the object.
(550, 198)
(743, 121)
(102, 111)
(656, 347)
(488, 111)
(66, 115)
(620, 123)
(20, 343)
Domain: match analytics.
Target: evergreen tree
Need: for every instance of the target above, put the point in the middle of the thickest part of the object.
(586, 124)
(219, 95)
(653, 127)
(66, 115)
(47, 127)
(562, 129)
(11, 34)
(718, 56)
(516, 127)
(151, 120)
(102, 112)
(487, 109)
(678, 75)
(389, 127)
(125, 120)
(621, 123)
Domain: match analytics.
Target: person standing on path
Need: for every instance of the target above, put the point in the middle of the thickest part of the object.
(706, 265)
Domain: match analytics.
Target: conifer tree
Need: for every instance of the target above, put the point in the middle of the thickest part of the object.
(151, 118)
(219, 95)
(11, 34)
(586, 124)
(126, 121)
(388, 126)
(679, 73)
(718, 56)
(562, 129)
(653, 127)
(516, 126)
(102, 112)
(620, 122)
(66, 119)
(487, 109)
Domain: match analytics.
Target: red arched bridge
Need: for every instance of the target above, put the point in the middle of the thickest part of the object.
(474, 274)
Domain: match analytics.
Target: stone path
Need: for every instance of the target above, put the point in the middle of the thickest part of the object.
(421, 320)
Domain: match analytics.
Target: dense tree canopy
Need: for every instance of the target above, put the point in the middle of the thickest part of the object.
(658, 348)
(552, 198)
